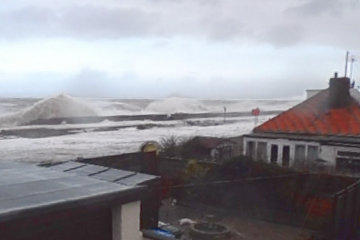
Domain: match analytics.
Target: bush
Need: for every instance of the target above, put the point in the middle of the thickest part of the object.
(169, 146)
(173, 146)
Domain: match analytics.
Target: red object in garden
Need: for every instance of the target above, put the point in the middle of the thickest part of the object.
(319, 207)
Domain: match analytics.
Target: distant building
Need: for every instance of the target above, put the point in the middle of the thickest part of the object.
(210, 148)
(238, 145)
(70, 201)
(312, 92)
(323, 130)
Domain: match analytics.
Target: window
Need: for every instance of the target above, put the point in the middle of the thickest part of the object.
(348, 165)
(274, 153)
(348, 154)
(250, 148)
(313, 152)
(348, 161)
(286, 156)
(299, 155)
(261, 152)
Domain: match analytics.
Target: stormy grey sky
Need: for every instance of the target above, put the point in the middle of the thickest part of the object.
(159, 48)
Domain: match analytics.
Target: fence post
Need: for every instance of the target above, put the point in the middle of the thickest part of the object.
(357, 208)
(354, 206)
(334, 226)
(345, 216)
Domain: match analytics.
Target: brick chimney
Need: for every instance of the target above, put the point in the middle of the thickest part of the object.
(339, 91)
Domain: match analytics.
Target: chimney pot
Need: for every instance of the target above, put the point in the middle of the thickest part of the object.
(339, 89)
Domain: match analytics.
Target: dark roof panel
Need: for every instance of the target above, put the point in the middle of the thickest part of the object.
(88, 170)
(119, 176)
(112, 175)
(136, 179)
(25, 187)
(67, 166)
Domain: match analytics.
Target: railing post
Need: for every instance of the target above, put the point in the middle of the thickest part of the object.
(345, 217)
(334, 225)
(357, 209)
(352, 213)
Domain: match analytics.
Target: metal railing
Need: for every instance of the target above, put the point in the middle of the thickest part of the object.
(346, 213)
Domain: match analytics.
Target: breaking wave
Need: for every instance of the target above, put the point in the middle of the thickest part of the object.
(55, 107)
(176, 105)
(116, 108)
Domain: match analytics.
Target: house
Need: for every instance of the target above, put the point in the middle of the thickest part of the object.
(323, 130)
(70, 201)
(209, 148)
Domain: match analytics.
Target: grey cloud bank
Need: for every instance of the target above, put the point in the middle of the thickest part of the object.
(276, 22)
(258, 48)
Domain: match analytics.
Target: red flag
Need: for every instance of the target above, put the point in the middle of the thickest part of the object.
(255, 112)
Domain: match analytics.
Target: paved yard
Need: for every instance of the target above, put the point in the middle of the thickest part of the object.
(244, 227)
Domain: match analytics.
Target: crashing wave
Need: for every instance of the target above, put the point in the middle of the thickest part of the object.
(176, 105)
(116, 108)
(60, 106)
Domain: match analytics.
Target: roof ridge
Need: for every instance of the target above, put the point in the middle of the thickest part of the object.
(292, 108)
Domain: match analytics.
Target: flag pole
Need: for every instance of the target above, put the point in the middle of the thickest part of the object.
(351, 67)
(346, 62)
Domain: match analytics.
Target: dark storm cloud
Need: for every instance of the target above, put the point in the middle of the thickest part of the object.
(165, 18)
(284, 35)
(85, 21)
(95, 22)
(225, 29)
(25, 21)
(281, 23)
(323, 7)
(327, 22)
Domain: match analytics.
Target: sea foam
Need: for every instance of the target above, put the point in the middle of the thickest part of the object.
(176, 105)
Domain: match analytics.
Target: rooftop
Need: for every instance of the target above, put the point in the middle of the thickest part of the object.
(122, 177)
(210, 142)
(327, 113)
(27, 189)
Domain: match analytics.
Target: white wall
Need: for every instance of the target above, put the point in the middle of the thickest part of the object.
(330, 152)
(326, 152)
(280, 142)
(126, 221)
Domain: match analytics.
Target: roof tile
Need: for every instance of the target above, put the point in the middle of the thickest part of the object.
(315, 117)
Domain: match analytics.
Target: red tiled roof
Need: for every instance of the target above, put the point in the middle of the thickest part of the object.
(315, 117)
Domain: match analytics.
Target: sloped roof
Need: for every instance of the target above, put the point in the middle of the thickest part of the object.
(314, 116)
(122, 177)
(27, 189)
